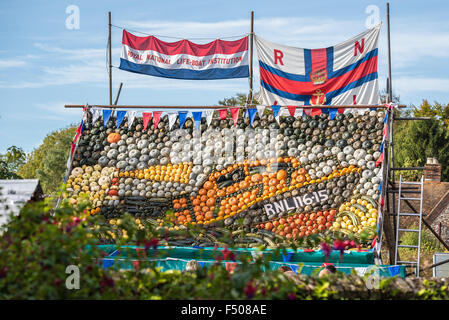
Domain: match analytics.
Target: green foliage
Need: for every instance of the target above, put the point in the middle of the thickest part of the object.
(10, 162)
(48, 162)
(238, 100)
(415, 141)
(37, 246)
(429, 244)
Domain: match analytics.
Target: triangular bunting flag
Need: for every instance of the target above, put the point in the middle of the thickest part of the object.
(106, 115)
(209, 114)
(315, 112)
(307, 111)
(342, 110)
(294, 267)
(197, 118)
(252, 114)
(223, 113)
(171, 120)
(96, 112)
(120, 116)
(146, 119)
(131, 115)
(235, 114)
(156, 118)
(299, 112)
(182, 118)
(291, 110)
(275, 109)
(333, 113)
(288, 257)
(260, 110)
(379, 161)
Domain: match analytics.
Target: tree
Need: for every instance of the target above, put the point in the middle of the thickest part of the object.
(48, 162)
(417, 140)
(10, 162)
(238, 100)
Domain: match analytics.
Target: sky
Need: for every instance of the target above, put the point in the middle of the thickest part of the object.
(46, 62)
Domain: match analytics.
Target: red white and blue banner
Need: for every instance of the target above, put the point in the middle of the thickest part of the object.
(344, 74)
(184, 59)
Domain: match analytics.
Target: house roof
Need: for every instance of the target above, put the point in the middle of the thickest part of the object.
(435, 200)
(15, 193)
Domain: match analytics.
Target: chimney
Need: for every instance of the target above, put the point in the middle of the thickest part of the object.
(432, 171)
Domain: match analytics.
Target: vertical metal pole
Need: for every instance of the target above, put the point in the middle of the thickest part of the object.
(390, 87)
(110, 60)
(251, 36)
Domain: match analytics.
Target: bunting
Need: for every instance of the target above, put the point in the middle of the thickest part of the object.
(235, 114)
(209, 114)
(197, 118)
(131, 116)
(223, 113)
(156, 118)
(146, 119)
(182, 118)
(120, 116)
(252, 114)
(171, 120)
(106, 116)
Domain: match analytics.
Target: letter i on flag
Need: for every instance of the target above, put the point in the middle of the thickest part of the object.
(197, 118)
(146, 119)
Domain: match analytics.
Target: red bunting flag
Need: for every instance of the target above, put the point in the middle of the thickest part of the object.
(307, 111)
(292, 110)
(235, 114)
(315, 112)
(341, 110)
(146, 118)
(223, 113)
(380, 159)
(156, 117)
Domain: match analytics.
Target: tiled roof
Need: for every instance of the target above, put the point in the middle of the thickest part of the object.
(15, 193)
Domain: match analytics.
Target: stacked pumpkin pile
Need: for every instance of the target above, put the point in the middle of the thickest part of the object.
(271, 164)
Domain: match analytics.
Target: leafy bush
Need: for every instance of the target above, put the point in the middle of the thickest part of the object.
(37, 246)
(429, 243)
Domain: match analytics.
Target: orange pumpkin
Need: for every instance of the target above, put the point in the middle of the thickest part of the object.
(113, 137)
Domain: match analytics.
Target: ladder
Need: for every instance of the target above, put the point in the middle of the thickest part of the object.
(400, 214)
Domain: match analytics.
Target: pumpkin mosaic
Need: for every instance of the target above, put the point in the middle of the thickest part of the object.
(292, 176)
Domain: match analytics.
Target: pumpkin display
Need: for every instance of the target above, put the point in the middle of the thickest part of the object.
(314, 172)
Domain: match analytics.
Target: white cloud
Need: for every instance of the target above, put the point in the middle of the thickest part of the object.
(11, 63)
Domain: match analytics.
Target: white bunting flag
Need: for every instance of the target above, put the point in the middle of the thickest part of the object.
(260, 110)
(209, 114)
(171, 120)
(96, 112)
(131, 115)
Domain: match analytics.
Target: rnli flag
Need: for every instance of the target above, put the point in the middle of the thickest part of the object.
(345, 74)
(183, 59)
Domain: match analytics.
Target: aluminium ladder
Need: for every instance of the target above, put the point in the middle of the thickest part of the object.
(402, 214)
